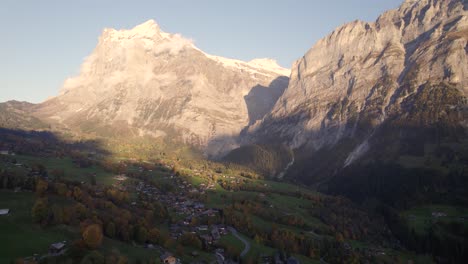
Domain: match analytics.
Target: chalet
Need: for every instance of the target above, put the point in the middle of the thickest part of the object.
(149, 246)
(438, 214)
(222, 230)
(215, 233)
(4, 211)
(120, 178)
(4, 152)
(207, 240)
(188, 203)
(210, 212)
(57, 248)
(202, 228)
(198, 206)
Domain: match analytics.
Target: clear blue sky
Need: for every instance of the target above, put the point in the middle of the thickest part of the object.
(45, 41)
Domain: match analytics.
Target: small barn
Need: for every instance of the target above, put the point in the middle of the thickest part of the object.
(4, 211)
(57, 248)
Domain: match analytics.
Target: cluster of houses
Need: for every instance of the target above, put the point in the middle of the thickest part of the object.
(187, 209)
(146, 189)
(7, 152)
(208, 234)
(201, 189)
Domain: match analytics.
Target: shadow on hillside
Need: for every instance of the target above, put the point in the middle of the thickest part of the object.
(406, 146)
(261, 100)
(46, 143)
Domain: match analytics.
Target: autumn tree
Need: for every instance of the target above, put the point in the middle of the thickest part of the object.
(77, 193)
(80, 211)
(41, 187)
(189, 239)
(40, 210)
(61, 189)
(92, 236)
(154, 235)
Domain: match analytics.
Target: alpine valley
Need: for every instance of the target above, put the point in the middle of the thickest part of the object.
(158, 152)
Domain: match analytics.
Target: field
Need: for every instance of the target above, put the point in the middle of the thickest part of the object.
(18, 228)
(71, 171)
(133, 253)
(421, 218)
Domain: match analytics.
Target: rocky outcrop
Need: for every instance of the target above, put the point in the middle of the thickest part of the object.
(365, 76)
(145, 82)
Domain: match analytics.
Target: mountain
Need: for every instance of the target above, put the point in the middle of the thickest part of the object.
(17, 115)
(144, 82)
(393, 91)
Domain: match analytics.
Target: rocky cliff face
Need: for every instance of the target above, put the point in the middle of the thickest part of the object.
(408, 69)
(145, 82)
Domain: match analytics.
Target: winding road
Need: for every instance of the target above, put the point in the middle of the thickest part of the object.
(246, 243)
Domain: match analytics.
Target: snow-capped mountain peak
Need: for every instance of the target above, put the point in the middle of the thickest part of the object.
(143, 81)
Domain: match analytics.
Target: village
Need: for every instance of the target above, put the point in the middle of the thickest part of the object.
(187, 211)
(188, 215)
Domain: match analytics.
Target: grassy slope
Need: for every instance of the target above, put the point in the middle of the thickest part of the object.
(420, 218)
(268, 160)
(218, 198)
(71, 171)
(18, 228)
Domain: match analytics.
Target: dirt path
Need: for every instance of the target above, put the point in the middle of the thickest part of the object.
(246, 243)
